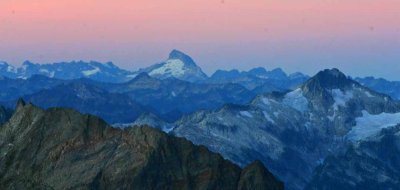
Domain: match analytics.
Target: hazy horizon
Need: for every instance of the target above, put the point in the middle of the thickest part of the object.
(361, 38)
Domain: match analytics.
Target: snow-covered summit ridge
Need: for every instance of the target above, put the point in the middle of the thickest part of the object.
(178, 65)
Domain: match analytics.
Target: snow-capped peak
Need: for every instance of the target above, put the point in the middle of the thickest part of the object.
(178, 65)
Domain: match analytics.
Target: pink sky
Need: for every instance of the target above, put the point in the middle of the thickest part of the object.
(295, 35)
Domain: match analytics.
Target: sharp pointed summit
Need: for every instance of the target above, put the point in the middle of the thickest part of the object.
(176, 54)
(178, 65)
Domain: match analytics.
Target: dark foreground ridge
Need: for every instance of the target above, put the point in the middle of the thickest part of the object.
(63, 149)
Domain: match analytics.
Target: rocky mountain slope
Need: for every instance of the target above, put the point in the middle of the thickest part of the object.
(293, 132)
(369, 164)
(63, 149)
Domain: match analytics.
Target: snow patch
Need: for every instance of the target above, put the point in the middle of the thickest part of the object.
(11, 69)
(368, 124)
(91, 72)
(369, 95)
(268, 117)
(131, 76)
(246, 114)
(24, 67)
(51, 75)
(167, 129)
(265, 101)
(44, 71)
(341, 98)
(173, 94)
(296, 100)
(332, 118)
(175, 67)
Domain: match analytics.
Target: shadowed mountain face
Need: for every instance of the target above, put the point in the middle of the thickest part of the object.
(63, 149)
(5, 114)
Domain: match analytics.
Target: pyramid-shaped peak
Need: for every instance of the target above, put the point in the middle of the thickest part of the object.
(176, 54)
(329, 79)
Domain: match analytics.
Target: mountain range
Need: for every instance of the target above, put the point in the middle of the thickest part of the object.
(180, 66)
(328, 131)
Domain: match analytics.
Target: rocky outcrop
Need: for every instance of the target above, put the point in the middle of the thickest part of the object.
(63, 149)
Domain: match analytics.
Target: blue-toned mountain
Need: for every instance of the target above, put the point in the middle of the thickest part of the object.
(106, 72)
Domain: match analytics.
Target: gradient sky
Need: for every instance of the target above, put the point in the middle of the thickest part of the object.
(360, 37)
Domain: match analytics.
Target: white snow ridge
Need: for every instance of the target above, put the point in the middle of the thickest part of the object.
(246, 114)
(369, 125)
(91, 72)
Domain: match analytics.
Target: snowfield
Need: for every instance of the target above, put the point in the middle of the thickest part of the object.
(341, 98)
(369, 125)
(91, 72)
(296, 100)
(175, 67)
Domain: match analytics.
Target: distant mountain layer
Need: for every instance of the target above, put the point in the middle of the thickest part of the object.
(391, 88)
(63, 149)
(178, 65)
(124, 102)
(259, 80)
(87, 98)
(106, 72)
(172, 97)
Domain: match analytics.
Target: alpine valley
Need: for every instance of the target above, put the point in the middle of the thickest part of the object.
(91, 125)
